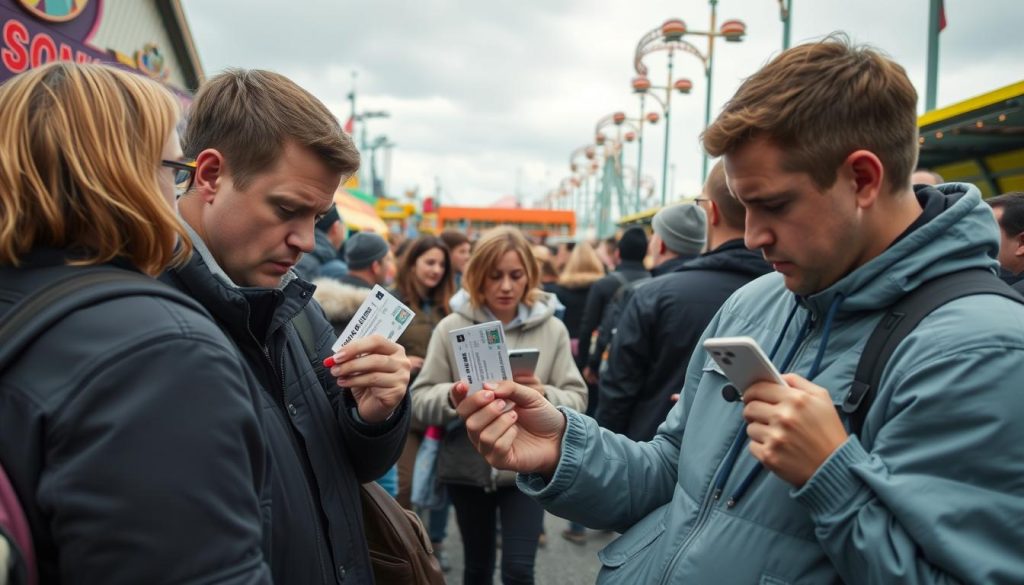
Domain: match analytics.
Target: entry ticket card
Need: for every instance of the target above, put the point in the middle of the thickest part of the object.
(481, 354)
(380, 313)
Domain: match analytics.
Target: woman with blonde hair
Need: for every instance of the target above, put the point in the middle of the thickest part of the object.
(127, 428)
(501, 281)
(582, 270)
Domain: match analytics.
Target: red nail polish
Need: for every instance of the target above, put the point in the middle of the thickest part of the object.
(329, 362)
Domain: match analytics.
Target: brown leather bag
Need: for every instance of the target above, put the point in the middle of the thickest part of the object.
(400, 550)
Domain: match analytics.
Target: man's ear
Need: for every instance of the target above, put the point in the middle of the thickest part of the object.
(662, 248)
(211, 170)
(714, 214)
(1019, 252)
(865, 174)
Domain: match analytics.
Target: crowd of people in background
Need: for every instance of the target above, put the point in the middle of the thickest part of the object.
(225, 441)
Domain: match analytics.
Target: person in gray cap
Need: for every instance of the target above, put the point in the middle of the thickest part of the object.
(662, 322)
(368, 258)
(679, 236)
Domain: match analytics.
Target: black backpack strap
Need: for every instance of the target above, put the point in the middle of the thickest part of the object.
(900, 319)
(41, 309)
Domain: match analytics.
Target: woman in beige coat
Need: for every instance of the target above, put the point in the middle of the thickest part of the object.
(501, 282)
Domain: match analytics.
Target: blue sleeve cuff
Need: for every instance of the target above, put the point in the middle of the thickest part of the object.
(834, 485)
(574, 441)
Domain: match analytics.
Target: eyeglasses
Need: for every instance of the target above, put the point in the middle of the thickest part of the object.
(184, 175)
(698, 200)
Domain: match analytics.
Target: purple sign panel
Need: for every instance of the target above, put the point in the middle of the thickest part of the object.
(40, 31)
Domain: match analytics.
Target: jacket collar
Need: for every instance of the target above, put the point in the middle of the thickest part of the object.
(243, 310)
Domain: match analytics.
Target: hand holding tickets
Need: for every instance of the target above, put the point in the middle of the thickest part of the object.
(380, 313)
(481, 354)
(367, 360)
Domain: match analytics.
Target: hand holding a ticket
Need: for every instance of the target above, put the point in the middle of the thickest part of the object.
(376, 371)
(526, 438)
(366, 358)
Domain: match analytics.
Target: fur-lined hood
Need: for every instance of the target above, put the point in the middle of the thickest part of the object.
(339, 301)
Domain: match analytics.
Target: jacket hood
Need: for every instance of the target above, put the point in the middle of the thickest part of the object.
(339, 301)
(542, 309)
(963, 235)
(731, 256)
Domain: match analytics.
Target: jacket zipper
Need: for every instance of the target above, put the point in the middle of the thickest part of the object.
(324, 572)
(715, 493)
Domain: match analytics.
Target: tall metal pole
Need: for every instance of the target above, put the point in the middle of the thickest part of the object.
(933, 55)
(707, 102)
(668, 102)
(787, 17)
(640, 155)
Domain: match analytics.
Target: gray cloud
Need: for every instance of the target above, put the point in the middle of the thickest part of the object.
(481, 92)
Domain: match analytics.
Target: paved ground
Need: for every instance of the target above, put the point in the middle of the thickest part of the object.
(559, 563)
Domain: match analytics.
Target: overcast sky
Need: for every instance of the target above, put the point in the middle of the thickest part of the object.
(492, 96)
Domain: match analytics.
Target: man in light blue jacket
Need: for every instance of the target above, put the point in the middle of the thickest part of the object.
(819, 146)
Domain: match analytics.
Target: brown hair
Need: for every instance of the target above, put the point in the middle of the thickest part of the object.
(582, 268)
(82, 146)
(405, 278)
(734, 215)
(821, 101)
(249, 115)
(454, 238)
(489, 249)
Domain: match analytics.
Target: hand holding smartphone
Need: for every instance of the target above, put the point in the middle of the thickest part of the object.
(743, 361)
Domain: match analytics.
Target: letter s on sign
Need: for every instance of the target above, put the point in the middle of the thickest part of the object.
(14, 53)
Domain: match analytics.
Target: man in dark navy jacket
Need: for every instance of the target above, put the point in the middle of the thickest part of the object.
(268, 159)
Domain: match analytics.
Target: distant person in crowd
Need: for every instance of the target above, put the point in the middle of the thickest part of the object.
(424, 283)
(128, 429)
(606, 249)
(773, 488)
(664, 319)
(269, 157)
(678, 234)
(546, 266)
(581, 271)
(1009, 211)
(369, 260)
(396, 241)
(629, 261)
(562, 252)
(501, 280)
(460, 249)
(926, 177)
(323, 261)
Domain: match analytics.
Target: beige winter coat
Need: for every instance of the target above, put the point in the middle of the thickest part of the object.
(459, 462)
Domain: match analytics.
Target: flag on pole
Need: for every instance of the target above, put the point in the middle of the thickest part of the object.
(942, 15)
(349, 126)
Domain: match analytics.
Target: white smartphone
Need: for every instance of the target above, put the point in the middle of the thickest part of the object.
(743, 361)
(523, 361)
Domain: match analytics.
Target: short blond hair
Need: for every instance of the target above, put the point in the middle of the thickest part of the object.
(488, 252)
(583, 263)
(821, 101)
(82, 146)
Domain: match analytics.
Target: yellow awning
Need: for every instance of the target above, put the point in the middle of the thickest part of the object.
(359, 215)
